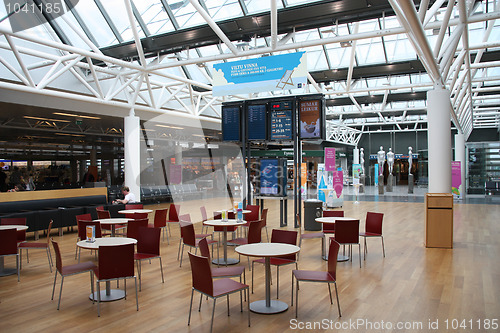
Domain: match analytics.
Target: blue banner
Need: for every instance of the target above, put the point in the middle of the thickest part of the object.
(280, 72)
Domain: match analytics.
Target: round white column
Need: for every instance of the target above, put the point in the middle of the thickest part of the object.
(355, 156)
(439, 140)
(132, 154)
(460, 156)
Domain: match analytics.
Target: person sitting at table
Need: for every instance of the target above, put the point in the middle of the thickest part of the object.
(129, 197)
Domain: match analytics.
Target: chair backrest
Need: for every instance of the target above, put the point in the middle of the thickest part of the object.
(203, 211)
(374, 222)
(134, 206)
(136, 216)
(231, 215)
(217, 215)
(331, 213)
(160, 218)
(8, 241)
(21, 234)
(185, 218)
(333, 252)
(263, 217)
(99, 208)
(102, 214)
(201, 274)
(204, 250)
(82, 228)
(255, 232)
(134, 225)
(148, 240)
(84, 217)
(347, 231)
(116, 261)
(173, 212)
(187, 233)
(254, 213)
(58, 256)
(286, 237)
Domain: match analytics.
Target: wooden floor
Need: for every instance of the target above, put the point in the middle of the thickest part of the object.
(411, 286)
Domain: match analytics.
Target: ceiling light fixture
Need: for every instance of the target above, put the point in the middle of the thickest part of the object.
(167, 126)
(75, 115)
(46, 119)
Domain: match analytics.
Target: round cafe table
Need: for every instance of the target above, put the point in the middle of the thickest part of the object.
(267, 250)
(113, 222)
(108, 294)
(229, 223)
(9, 271)
(331, 220)
(133, 211)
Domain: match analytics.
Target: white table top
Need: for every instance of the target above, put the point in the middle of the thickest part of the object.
(332, 219)
(105, 241)
(114, 220)
(267, 249)
(245, 211)
(133, 211)
(228, 223)
(13, 226)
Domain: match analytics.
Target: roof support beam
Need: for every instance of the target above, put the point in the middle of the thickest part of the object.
(274, 24)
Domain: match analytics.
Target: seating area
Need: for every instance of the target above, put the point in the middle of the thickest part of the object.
(168, 303)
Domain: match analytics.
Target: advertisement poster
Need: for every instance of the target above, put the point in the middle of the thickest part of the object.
(310, 119)
(264, 74)
(356, 172)
(269, 176)
(376, 175)
(303, 180)
(330, 159)
(321, 181)
(338, 182)
(456, 178)
(175, 174)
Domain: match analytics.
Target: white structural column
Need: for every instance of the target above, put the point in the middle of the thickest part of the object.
(460, 156)
(355, 156)
(439, 138)
(132, 154)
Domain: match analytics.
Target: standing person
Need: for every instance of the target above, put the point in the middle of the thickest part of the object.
(129, 197)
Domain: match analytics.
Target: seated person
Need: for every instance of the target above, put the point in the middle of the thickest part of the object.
(129, 197)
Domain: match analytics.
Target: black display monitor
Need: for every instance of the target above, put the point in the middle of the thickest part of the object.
(272, 177)
(311, 119)
(257, 121)
(281, 120)
(231, 116)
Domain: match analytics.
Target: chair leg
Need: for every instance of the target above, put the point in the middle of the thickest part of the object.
(277, 282)
(338, 303)
(49, 257)
(248, 306)
(54, 286)
(139, 266)
(201, 298)
(98, 299)
(92, 285)
(365, 250)
(383, 247)
(330, 293)
(182, 253)
(18, 259)
(213, 313)
(179, 250)
(291, 301)
(60, 292)
(161, 270)
(136, 296)
(191, 306)
(227, 298)
(359, 254)
(297, 300)
(252, 274)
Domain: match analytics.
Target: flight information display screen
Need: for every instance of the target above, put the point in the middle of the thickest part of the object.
(257, 121)
(231, 123)
(281, 121)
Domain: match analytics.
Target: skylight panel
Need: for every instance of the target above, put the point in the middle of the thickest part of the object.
(89, 12)
(259, 6)
(223, 10)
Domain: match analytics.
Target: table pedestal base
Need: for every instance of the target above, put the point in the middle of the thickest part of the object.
(276, 307)
(114, 295)
(228, 261)
(340, 258)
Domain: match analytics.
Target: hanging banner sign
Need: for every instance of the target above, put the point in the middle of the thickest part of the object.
(265, 74)
(376, 174)
(456, 177)
(330, 159)
(356, 172)
(303, 180)
(338, 182)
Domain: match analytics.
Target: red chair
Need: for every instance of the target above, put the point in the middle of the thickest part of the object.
(173, 216)
(310, 235)
(204, 218)
(36, 246)
(160, 221)
(254, 236)
(329, 228)
(189, 238)
(328, 277)
(148, 247)
(203, 282)
(82, 231)
(134, 206)
(21, 234)
(347, 233)
(263, 217)
(286, 237)
(218, 216)
(373, 228)
(81, 217)
(104, 214)
(116, 262)
(186, 218)
(221, 272)
(133, 227)
(8, 246)
(70, 270)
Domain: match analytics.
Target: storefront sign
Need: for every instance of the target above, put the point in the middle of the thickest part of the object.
(330, 159)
